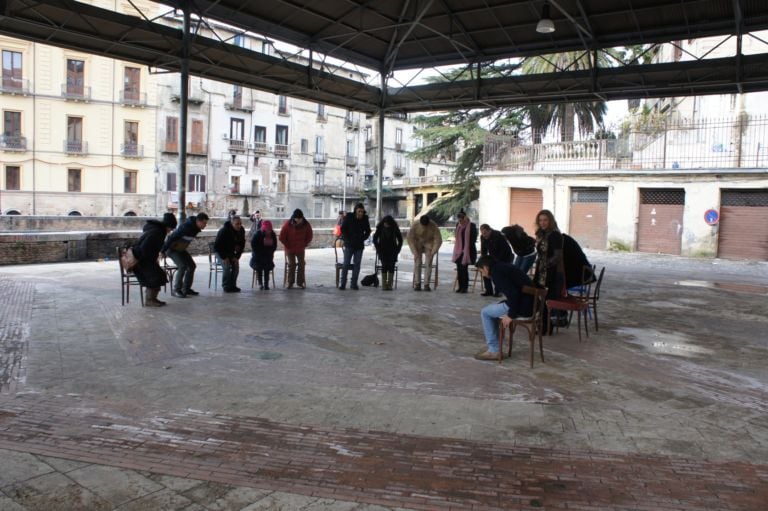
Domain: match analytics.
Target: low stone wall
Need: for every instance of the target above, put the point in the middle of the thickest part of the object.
(53, 247)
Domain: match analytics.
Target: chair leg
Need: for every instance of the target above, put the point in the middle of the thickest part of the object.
(122, 292)
(586, 322)
(501, 340)
(541, 346)
(141, 294)
(578, 315)
(532, 342)
(594, 308)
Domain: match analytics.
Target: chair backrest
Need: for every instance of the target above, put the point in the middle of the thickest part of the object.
(539, 296)
(119, 251)
(595, 292)
(338, 244)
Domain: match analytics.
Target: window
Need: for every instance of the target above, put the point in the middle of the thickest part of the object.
(196, 183)
(75, 77)
(260, 134)
(12, 177)
(321, 111)
(74, 183)
(236, 129)
(12, 70)
(319, 145)
(350, 147)
(282, 105)
(318, 209)
(12, 124)
(198, 147)
(170, 182)
(172, 134)
(129, 180)
(422, 172)
(131, 138)
(237, 96)
(319, 177)
(75, 134)
(131, 84)
(255, 186)
(304, 146)
(234, 184)
(281, 134)
(398, 136)
(282, 183)
(239, 40)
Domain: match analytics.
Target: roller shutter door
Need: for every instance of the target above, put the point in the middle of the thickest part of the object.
(660, 228)
(589, 217)
(743, 230)
(524, 204)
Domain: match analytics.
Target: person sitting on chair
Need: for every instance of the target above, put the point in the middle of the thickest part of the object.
(354, 230)
(424, 240)
(509, 280)
(175, 247)
(296, 235)
(263, 248)
(229, 246)
(494, 244)
(388, 241)
(148, 271)
(523, 246)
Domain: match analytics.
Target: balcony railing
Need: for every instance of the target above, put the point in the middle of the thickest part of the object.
(398, 171)
(281, 149)
(9, 85)
(399, 146)
(320, 158)
(368, 145)
(75, 92)
(133, 98)
(13, 143)
(195, 96)
(351, 124)
(197, 149)
(735, 142)
(238, 105)
(260, 147)
(171, 146)
(236, 145)
(75, 147)
(132, 150)
(351, 161)
(326, 190)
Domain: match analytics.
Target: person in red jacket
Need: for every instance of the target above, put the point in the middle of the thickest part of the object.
(296, 235)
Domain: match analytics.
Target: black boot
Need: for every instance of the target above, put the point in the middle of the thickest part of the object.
(266, 281)
(261, 282)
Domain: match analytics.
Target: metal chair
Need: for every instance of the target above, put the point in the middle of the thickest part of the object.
(127, 279)
(338, 247)
(533, 324)
(170, 271)
(593, 295)
(214, 267)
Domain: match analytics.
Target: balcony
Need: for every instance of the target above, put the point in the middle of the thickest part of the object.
(320, 158)
(14, 86)
(368, 145)
(194, 97)
(283, 110)
(260, 147)
(327, 190)
(170, 146)
(351, 124)
(236, 145)
(398, 171)
(351, 161)
(132, 150)
(130, 97)
(75, 92)
(237, 104)
(281, 166)
(322, 117)
(197, 149)
(75, 147)
(399, 146)
(282, 150)
(13, 143)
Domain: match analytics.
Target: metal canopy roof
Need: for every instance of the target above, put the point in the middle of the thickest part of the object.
(387, 35)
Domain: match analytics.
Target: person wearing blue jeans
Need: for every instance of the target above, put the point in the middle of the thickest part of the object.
(355, 229)
(509, 280)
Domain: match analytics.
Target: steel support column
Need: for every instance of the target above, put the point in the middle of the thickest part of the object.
(184, 114)
(380, 173)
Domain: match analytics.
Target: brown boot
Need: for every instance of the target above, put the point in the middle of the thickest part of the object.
(152, 300)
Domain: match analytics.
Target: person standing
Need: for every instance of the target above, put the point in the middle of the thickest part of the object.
(464, 250)
(263, 246)
(255, 225)
(494, 244)
(355, 229)
(388, 241)
(296, 235)
(176, 246)
(148, 271)
(549, 271)
(424, 240)
(523, 246)
(229, 246)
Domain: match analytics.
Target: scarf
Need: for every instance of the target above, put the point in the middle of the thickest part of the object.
(461, 246)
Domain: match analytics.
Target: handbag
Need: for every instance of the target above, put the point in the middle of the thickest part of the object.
(127, 259)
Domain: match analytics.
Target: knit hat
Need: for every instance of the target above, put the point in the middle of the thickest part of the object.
(266, 225)
(169, 221)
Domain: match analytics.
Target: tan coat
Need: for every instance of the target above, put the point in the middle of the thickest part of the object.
(424, 239)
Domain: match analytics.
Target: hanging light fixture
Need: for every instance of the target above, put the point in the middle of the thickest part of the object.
(545, 25)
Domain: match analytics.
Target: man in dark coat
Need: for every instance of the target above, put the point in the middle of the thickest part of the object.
(494, 244)
(509, 280)
(355, 229)
(175, 247)
(229, 246)
(148, 271)
(578, 271)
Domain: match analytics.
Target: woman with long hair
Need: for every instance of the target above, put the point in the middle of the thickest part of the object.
(549, 256)
(388, 241)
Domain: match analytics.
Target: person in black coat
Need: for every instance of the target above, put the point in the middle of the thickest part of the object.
(523, 246)
(148, 271)
(229, 246)
(578, 270)
(263, 246)
(388, 241)
(176, 245)
(355, 229)
(494, 244)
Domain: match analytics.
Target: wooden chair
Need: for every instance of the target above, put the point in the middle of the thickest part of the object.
(377, 267)
(214, 267)
(285, 271)
(570, 303)
(128, 279)
(253, 278)
(338, 250)
(431, 279)
(170, 271)
(474, 278)
(533, 324)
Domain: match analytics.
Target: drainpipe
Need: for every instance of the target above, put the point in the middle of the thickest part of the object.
(34, 135)
(184, 106)
(380, 177)
(112, 155)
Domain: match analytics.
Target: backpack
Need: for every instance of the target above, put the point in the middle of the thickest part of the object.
(370, 280)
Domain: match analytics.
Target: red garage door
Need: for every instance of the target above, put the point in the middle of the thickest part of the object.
(524, 204)
(661, 220)
(743, 224)
(589, 217)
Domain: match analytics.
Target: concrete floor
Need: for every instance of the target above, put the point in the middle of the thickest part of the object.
(676, 370)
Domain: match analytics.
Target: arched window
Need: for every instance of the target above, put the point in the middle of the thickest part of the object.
(129, 213)
(13, 212)
(74, 213)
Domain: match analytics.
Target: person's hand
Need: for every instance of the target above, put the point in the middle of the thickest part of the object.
(505, 320)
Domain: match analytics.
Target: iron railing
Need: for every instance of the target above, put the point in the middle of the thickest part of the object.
(133, 98)
(75, 147)
(13, 143)
(132, 150)
(75, 92)
(11, 85)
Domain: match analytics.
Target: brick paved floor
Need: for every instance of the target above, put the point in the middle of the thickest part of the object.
(370, 401)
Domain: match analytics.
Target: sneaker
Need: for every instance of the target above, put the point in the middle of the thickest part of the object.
(417, 287)
(230, 290)
(192, 292)
(427, 288)
(354, 287)
(342, 287)
(487, 355)
(237, 289)
(486, 294)
(178, 293)
(261, 288)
